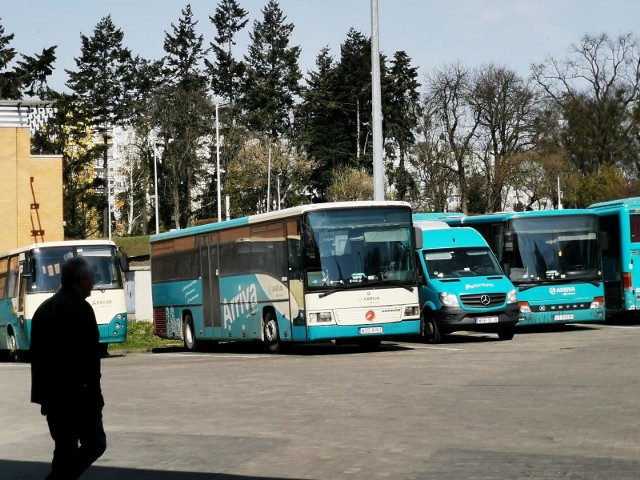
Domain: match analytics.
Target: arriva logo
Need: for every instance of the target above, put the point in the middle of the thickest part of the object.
(240, 304)
(562, 290)
(478, 285)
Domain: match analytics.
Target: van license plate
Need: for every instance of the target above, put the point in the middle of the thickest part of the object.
(561, 317)
(487, 320)
(368, 330)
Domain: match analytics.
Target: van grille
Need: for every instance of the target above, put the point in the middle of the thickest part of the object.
(483, 300)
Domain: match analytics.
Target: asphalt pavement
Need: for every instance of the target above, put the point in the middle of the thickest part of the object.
(554, 403)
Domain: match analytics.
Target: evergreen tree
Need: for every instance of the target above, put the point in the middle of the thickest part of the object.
(184, 114)
(102, 83)
(273, 76)
(28, 76)
(401, 112)
(226, 72)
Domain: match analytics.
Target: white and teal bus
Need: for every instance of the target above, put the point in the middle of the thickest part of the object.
(31, 274)
(341, 272)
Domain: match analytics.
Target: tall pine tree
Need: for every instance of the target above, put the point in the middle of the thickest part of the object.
(101, 82)
(273, 75)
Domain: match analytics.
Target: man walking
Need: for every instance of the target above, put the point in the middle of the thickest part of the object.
(65, 372)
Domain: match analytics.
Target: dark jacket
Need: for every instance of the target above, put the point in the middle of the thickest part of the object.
(65, 353)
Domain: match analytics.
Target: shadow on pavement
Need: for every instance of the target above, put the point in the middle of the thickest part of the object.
(17, 470)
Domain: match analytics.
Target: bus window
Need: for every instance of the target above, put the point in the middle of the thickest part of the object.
(105, 269)
(47, 265)
(3, 276)
(634, 221)
(12, 284)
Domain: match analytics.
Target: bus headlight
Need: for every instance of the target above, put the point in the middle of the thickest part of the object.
(449, 300)
(320, 317)
(598, 302)
(512, 297)
(412, 311)
(524, 307)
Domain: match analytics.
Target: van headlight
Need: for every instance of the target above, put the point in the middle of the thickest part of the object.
(512, 297)
(449, 300)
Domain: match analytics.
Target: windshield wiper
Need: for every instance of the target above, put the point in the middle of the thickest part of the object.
(368, 283)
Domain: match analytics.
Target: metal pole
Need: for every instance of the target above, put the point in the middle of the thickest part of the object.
(155, 188)
(269, 181)
(109, 202)
(376, 102)
(218, 165)
(559, 201)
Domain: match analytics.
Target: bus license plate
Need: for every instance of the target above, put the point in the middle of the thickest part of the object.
(368, 330)
(563, 317)
(487, 320)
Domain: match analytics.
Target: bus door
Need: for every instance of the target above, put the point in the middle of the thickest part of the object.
(296, 285)
(208, 245)
(633, 282)
(270, 265)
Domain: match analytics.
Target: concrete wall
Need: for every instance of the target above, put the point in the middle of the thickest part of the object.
(138, 293)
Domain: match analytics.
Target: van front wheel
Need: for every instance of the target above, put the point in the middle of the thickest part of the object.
(429, 329)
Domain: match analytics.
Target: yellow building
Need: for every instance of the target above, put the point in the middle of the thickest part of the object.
(31, 196)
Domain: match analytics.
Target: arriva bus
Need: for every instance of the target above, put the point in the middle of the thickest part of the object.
(553, 259)
(31, 274)
(620, 245)
(333, 271)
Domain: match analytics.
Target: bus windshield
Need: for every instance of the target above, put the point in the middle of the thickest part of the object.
(461, 262)
(347, 247)
(47, 263)
(555, 249)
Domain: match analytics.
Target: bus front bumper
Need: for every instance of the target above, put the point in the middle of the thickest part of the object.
(115, 331)
(319, 333)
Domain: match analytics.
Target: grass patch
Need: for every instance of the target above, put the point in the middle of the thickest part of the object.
(140, 338)
(133, 246)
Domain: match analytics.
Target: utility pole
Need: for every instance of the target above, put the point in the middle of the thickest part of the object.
(376, 102)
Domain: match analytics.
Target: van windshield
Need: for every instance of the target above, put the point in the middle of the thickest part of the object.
(461, 262)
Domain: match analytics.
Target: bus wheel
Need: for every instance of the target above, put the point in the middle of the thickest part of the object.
(189, 334)
(429, 329)
(271, 334)
(13, 348)
(506, 333)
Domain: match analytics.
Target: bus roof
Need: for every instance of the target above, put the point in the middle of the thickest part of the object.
(622, 203)
(503, 216)
(274, 215)
(62, 243)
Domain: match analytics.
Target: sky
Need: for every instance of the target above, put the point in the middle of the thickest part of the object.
(510, 33)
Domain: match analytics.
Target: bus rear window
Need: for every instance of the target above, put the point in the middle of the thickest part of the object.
(634, 221)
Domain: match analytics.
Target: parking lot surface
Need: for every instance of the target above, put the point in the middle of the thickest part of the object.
(555, 403)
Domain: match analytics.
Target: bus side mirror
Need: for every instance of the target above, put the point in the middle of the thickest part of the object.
(417, 235)
(508, 240)
(124, 262)
(27, 269)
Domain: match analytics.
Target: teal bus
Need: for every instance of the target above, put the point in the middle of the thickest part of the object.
(342, 272)
(620, 245)
(553, 259)
(31, 274)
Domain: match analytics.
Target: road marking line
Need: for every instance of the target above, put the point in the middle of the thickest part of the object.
(439, 348)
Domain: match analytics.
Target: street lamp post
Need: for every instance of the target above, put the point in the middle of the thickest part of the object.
(155, 188)
(218, 164)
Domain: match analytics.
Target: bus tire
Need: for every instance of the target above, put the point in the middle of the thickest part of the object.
(13, 348)
(506, 333)
(271, 334)
(189, 334)
(429, 329)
